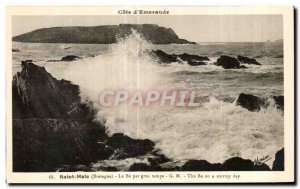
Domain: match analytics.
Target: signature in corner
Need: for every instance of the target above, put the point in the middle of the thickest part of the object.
(260, 161)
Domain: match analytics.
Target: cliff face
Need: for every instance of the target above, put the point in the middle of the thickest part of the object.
(36, 94)
(50, 124)
(100, 34)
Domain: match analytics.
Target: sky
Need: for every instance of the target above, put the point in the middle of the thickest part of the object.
(196, 28)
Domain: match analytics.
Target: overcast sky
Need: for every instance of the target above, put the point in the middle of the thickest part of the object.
(199, 28)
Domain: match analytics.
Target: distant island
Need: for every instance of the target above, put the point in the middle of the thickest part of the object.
(105, 34)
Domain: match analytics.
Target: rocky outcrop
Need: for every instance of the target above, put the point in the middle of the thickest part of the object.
(157, 158)
(126, 147)
(278, 164)
(15, 50)
(37, 94)
(164, 57)
(228, 62)
(232, 164)
(70, 58)
(254, 103)
(247, 60)
(250, 102)
(239, 164)
(200, 165)
(144, 167)
(67, 58)
(74, 168)
(52, 127)
(193, 60)
(105, 34)
(279, 101)
(41, 144)
(50, 124)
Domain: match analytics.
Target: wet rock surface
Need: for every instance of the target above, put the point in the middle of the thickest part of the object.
(254, 103)
(127, 147)
(279, 101)
(228, 62)
(247, 60)
(239, 164)
(37, 94)
(278, 164)
(164, 57)
(192, 60)
(250, 102)
(16, 50)
(200, 165)
(68, 58)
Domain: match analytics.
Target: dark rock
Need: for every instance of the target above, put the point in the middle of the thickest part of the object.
(70, 58)
(104, 151)
(243, 67)
(15, 50)
(26, 61)
(247, 60)
(144, 167)
(278, 164)
(232, 164)
(109, 169)
(186, 57)
(50, 124)
(228, 62)
(127, 147)
(36, 94)
(200, 165)
(75, 168)
(176, 168)
(239, 164)
(164, 57)
(195, 63)
(279, 101)
(193, 60)
(278, 56)
(250, 102)
(54, 60)
(40, 144)
(157, 159)
(104, 34)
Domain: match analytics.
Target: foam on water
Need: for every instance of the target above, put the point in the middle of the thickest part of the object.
(215, 131)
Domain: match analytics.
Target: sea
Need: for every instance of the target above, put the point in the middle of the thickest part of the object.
(215, 131)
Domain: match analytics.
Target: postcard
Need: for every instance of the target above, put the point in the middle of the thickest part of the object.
(150, 95)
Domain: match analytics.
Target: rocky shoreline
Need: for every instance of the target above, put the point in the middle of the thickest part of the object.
(54, 131)
(224, 61)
